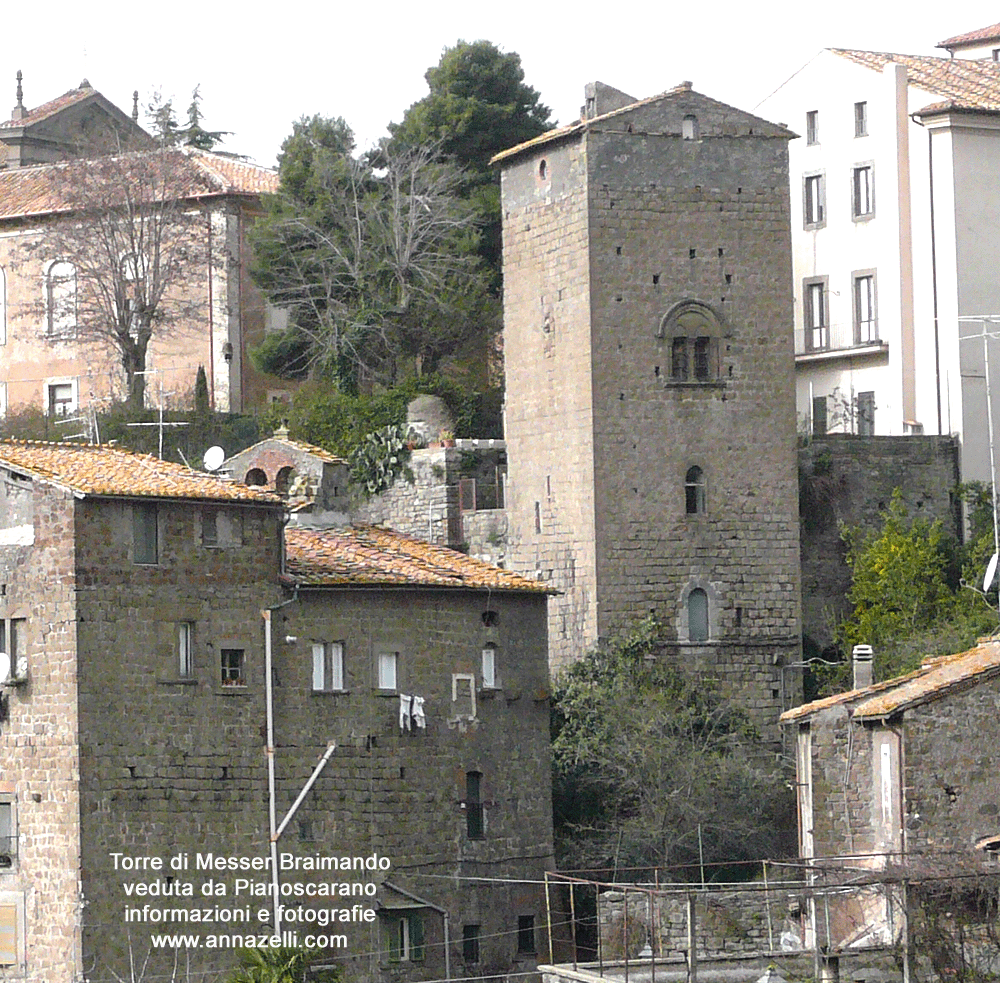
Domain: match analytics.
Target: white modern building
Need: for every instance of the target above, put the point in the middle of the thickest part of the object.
(895, 197)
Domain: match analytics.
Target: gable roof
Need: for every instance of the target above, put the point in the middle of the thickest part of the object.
(375, 556)
(87, 469)
(46, 189)
(965, 83)
(935, 678)
(972, 39)
(678, 92)
(320, 453)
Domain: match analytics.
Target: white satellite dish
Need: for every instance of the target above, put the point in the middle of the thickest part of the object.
(4, 667)
(991, 571)
(213, 458)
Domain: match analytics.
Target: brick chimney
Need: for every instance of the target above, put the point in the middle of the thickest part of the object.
(861, 658)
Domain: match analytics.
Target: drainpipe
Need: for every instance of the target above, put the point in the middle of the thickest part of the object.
(447, 935)
(269, 699)
(934, 278)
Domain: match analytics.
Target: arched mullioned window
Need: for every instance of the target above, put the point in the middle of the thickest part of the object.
(693, 330)
(60, 297)
(697, 606)
(694, 491)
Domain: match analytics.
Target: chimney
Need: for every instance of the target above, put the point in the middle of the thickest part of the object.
(861, 656)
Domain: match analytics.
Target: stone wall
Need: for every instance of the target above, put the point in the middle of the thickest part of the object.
(850, 480)
(169, 764)
(39, 752)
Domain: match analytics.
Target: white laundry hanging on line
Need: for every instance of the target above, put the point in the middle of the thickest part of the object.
(418, 712)
(404, 711)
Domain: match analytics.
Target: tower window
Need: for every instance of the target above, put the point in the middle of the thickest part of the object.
(697, 605)
(694, 491)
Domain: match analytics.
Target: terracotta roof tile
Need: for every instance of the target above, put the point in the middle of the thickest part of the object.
(46, 189)
(49, 108)
(373, 555)
(991, 33)
(964, 82)
(932, 680)
(93, 470)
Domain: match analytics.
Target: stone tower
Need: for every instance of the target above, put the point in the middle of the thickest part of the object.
(650, 414)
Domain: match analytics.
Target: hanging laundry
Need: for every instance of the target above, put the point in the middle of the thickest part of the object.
(405, 703)
(418, 712)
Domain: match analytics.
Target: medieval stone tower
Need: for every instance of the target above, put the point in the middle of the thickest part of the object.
(650, 408)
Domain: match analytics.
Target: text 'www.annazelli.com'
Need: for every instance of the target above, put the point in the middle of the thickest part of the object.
(290, 940)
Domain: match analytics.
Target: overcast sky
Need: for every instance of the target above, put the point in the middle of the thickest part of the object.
(261, 70)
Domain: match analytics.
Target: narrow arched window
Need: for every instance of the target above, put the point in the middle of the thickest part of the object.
(697, 615)
(255, 476)
(60, 297)
(694, 491)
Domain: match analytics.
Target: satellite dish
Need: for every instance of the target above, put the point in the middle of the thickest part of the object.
(4, 667)
(214, 457)
(991, 570)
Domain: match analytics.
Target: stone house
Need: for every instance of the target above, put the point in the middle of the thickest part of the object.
(141, 606)
(897, 778)
(894, 195)
(51, 365)
(649, 412)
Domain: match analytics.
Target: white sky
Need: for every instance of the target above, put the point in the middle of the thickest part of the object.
(261, 69)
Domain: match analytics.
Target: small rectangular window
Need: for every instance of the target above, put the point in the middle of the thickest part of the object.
(233, 667)
(8, 935)
(866, 414)
(819, 424)
(812, 126)
(815, 315)
(862, 191)
(489, 656)
(861, 119)
(470, 943)
(405, 937)
(8, 831)
(209, 527)
(865, 322)
(526, 934)
(388, 666)
(328, 667)
(185, 649)
(814, 201)
(60, 399)
(144, 533)
(474, 806)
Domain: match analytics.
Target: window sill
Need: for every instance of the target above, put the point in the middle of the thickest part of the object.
(178, 681)
(385, 692)
(330, 692)
(695, 384)
(240, 690)
(490, 692)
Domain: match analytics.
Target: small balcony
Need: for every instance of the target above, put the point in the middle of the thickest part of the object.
(831, 341)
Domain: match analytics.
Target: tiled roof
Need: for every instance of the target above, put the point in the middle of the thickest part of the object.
(991, 33)
(965, 83)
(101, 470)
(50, 108)
(49, 188)
(562, 132)
(931, 681)
(296, 445)
(373, 555)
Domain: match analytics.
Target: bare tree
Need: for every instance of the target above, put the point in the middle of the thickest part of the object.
(375, 261)
(126, 254)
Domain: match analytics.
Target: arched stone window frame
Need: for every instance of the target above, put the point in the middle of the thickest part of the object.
(695, 490)
(693, 331)
(59, 297)
(713, 600)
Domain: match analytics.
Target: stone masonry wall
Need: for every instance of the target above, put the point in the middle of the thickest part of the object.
(39, 755)
(171, 765)
(850, 480)
(548, 404)
(951, 761)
